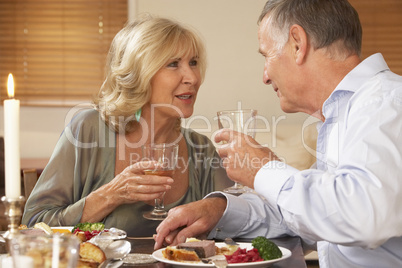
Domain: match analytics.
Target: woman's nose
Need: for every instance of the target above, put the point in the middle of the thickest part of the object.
(190, 75)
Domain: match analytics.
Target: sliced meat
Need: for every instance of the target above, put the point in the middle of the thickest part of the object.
(204, 248)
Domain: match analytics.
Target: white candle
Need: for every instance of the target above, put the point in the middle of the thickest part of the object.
(12, 142)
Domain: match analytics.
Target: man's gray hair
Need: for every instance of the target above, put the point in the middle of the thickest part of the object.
(330, 24)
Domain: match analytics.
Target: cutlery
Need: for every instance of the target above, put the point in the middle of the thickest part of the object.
(229, 241)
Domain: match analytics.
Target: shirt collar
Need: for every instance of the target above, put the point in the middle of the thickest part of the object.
(363, 72)
(357, 77)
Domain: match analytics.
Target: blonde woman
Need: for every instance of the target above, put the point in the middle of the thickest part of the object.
(153, 73)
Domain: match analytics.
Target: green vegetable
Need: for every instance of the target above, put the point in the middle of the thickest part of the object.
(87, 226)
(266, 248)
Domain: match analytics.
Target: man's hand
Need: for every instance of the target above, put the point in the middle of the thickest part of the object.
(195, 219)
(242, 156)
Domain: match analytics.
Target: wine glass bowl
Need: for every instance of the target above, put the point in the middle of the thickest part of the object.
(165, 155)
(243, 121)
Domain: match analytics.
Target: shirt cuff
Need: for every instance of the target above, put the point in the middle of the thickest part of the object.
(239, 212)
(270, 179)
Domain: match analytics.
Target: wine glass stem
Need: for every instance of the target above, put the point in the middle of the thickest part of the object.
(237, 185)
(159, 203)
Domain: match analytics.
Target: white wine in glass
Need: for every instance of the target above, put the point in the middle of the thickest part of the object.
(243, 121)
(165, 155)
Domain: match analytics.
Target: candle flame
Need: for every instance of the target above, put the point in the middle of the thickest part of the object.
(10, 86)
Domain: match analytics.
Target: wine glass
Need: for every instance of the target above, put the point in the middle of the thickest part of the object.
(243, 121)
(165, 155)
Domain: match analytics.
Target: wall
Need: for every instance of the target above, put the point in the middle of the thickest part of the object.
(234, 75)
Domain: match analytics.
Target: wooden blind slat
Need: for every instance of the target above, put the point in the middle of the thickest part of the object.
(382, 30)
(56, 49)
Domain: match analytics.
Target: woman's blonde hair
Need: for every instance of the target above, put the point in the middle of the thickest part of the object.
(137, 52)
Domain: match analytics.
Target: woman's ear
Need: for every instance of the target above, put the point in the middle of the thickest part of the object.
(298, 43)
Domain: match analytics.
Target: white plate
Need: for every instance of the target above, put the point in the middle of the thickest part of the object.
(285, 254)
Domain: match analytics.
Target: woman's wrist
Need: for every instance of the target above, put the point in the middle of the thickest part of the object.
(98, 205)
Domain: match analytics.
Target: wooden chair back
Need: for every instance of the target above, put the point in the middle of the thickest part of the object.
(30, 178)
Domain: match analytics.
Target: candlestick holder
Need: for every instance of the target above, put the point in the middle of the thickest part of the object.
(13, 213)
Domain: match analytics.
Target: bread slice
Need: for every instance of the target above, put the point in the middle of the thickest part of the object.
(83, 263)
(91, 251)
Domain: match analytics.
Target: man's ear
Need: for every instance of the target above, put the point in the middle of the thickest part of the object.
(298, 43)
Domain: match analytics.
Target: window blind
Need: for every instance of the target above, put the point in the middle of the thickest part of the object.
(382, 30)
(56, 49)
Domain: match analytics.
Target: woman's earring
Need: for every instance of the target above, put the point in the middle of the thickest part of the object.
(138, 115)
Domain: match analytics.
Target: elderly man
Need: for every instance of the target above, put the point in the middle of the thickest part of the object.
(349, 203)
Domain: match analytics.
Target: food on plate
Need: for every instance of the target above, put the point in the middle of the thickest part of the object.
(242, 255)
(31, 231)
(203, 249)
(86, 230)
(175, 254)
(61, 230)
(267, 249)
(38, 229)
(193, 250)
(192, 239)
(88, 226)
(43, 226)
(86, 264)
(22, 227)
(91, 253)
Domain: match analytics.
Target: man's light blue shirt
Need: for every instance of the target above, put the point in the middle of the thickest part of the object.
(350, 203)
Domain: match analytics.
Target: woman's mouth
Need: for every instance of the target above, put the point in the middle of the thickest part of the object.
(184, 97)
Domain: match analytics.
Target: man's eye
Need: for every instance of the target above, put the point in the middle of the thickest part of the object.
(193, 63)
(173, 64)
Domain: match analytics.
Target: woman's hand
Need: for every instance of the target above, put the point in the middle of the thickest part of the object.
(130, 186)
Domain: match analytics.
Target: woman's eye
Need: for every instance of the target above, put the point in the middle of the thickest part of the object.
(193, 63)
(173, 64)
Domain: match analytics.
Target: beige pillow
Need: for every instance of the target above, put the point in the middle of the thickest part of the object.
(294, 144)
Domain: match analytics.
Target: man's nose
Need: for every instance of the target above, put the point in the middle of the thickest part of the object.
(265, 77)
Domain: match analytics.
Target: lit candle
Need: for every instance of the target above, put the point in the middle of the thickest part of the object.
(12, 142)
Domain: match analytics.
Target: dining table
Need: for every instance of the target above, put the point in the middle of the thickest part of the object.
(144, 247)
